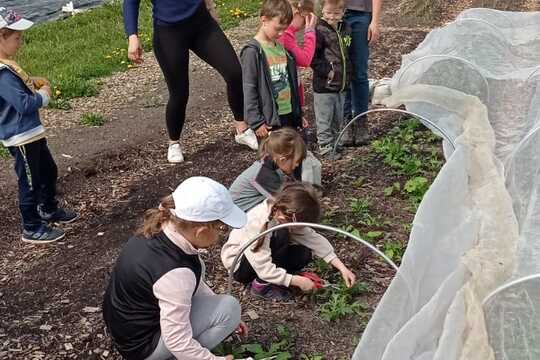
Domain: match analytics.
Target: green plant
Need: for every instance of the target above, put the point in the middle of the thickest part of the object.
(338, 306)
(395, 187)
(338, 300)
(394, 250)
(4, 153)
(92, 119)
(372, 235)
(416, 188)
(311, 357)
(278, 350)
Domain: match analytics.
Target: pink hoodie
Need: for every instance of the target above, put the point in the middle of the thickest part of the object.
(302, 56)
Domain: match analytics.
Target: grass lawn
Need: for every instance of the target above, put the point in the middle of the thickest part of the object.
(73, 53)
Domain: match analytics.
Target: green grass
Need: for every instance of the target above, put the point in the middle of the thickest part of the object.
(4, 153)
(92, 119)
(74, 53)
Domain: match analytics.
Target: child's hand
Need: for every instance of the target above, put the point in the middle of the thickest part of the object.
(135, 50)
(242, 329)
(303, 283)
(348, 277)
(305, 123)
(311, 21)
(229, 357)
(262, 131)
(39, 82)
(47, 89)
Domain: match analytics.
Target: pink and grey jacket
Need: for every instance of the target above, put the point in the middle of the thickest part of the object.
(302, 56)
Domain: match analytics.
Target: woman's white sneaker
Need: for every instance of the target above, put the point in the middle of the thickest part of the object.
(174, 155)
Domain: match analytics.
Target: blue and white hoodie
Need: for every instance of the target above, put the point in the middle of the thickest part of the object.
(19, 105)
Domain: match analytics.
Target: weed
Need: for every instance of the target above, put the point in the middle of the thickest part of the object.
(416, 188)
(394, 250)
(338, 306)
(359, 182)
(311, 357)
(278, 350)
(92, 119)
(395, 187)
(4, 153)
(373, 235)
(338, 300)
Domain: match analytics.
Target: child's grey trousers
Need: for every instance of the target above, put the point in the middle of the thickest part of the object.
(213, 318)
(329, 117)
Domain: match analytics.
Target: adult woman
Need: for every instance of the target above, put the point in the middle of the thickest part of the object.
(363, 18)
(180, 26)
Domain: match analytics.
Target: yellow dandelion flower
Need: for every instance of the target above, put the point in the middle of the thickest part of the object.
(58, 92)
(130, 66)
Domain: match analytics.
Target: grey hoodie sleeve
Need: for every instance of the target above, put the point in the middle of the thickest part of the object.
(250, 75)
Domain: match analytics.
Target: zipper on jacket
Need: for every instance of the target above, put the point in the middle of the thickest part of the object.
(342, 57)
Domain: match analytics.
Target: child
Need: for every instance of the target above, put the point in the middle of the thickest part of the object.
(280, 156)
(303, 18)
(331, 73)
(269, 265)
(23, 134)
(157, 304)
(269, 74)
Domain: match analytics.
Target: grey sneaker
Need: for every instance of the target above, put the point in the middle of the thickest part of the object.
(60, 216)
(43, 235)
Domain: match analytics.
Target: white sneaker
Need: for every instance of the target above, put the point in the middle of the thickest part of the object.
(174, 155)
(248, 138)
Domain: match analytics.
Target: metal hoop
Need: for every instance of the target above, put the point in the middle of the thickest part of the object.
(484, 10)
(481, 21)
(300, 224)
(420, 117)
(508, 285)
(442, 56)
(536, 70)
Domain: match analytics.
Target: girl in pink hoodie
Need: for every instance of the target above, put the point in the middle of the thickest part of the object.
(303, 18)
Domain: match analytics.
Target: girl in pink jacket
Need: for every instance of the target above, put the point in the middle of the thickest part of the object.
(303, 18)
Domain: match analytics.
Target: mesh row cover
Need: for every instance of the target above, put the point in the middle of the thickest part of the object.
(467, 285)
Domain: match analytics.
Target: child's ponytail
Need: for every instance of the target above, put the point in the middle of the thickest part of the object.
(298, 201)
(155, 218)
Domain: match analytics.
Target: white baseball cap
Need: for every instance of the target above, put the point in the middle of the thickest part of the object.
(201, 199)
(10, 19)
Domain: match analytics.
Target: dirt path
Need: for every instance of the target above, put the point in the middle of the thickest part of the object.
(50, 296)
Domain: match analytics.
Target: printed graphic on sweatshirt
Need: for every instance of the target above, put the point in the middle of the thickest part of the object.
(277, 62)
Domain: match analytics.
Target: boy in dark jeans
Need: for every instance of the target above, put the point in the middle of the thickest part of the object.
(331, 74)
(22, 133)
(270, 80)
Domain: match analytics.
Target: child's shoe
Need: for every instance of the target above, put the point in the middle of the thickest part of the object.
(269, 291)
(45, 234)
(174, 154)
(327, 152)
(248, 138)
(60, 216)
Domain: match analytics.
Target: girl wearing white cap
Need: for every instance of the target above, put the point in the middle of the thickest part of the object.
(157, 305)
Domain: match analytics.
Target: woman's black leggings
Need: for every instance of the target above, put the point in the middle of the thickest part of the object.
(201, 34)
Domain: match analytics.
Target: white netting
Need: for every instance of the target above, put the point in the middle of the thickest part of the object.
(478, 227)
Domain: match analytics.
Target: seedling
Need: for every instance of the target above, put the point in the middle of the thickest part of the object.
(396, 187)
(394, 250)
(338, 306)
(416, 188)
(277, 351)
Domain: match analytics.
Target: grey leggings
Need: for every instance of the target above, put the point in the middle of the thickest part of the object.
(213, 318)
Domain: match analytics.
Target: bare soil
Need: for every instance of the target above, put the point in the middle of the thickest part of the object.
(50, 296)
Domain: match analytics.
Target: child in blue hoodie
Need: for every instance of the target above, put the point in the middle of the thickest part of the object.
(22, 133)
